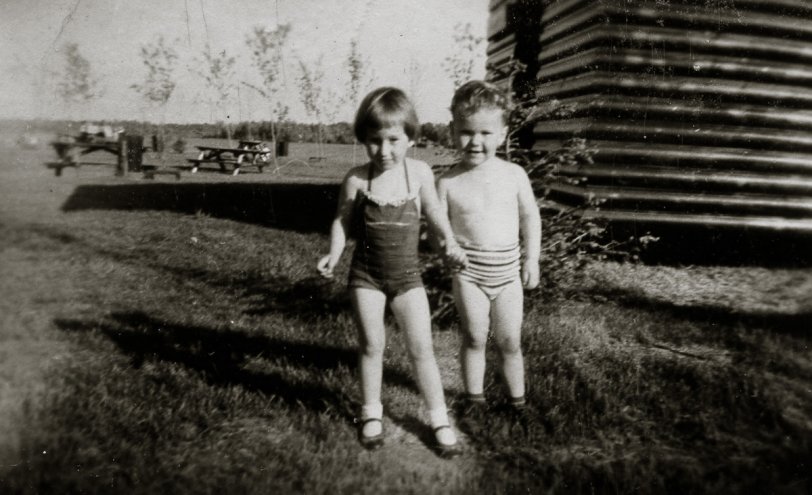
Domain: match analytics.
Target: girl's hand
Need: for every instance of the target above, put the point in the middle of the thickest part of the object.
(455, 256)
(530, 274)
(325, 267)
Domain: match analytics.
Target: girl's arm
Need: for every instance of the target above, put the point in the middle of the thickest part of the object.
(340, 226)
(437, 216)
(530, 227)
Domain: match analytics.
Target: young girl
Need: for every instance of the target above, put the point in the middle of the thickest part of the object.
(381, 201)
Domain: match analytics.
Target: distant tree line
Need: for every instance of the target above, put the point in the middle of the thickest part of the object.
(339, 133)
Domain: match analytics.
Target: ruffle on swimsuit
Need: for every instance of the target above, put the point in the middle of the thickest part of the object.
(382, 202)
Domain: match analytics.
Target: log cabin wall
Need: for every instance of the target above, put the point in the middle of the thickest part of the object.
(700, 110)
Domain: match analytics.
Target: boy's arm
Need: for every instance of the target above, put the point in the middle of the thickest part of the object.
(530, 226)
(437, 215)
(339, 227)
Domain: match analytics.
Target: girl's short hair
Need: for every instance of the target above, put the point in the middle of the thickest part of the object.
(476, 95)
(385, 107)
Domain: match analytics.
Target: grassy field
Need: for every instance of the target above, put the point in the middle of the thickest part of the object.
(171, 337)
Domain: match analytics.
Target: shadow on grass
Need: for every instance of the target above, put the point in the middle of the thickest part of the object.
(730, 246)
(225, 358)
(302, 300)
(221, 357)
(301, 207)
(797, 324)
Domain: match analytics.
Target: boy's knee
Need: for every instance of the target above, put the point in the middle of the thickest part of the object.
(509, 346)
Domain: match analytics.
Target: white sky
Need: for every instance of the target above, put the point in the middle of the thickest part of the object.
(393, 34)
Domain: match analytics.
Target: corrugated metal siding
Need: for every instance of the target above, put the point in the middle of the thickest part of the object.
(701, 111)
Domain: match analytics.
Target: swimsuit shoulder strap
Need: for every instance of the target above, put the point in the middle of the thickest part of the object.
(406, 172)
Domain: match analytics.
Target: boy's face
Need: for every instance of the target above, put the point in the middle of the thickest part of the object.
(478, 135)
(387, 146)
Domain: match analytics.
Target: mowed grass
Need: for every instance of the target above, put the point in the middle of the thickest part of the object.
(162, 351)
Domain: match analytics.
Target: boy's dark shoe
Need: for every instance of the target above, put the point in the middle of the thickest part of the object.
(472, 414)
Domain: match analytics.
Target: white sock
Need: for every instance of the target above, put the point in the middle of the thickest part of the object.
(372, 411)
(439, 417)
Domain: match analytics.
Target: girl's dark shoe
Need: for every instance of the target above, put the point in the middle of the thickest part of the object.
(370, 442)
(445, 450)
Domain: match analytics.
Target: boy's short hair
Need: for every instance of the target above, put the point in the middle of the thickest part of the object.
(476, 95)
(385, 107)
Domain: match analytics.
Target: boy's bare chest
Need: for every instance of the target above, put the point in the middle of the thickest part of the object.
(482, 194)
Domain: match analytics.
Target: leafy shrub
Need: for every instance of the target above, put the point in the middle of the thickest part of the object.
(179, 146)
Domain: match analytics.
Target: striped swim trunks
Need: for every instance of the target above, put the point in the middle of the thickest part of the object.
(491, 269)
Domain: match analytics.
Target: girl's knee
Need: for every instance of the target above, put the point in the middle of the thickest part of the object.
(475, 341)
(421, 351)
(372, 348)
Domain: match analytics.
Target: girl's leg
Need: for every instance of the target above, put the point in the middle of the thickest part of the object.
(473, 307)
(411, 309)
(368, 307)
(506, 314)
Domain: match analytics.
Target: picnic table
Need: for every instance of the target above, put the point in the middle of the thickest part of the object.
(128, 149)
(256, 153)
(69, 151)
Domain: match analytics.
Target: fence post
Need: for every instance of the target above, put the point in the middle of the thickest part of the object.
(135, 152)
(121, 169)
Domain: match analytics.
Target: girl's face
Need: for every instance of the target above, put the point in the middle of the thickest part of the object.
(387, 146)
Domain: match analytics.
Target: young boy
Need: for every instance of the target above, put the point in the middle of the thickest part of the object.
(491, 206)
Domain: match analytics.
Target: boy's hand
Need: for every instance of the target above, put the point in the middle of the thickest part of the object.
(455, 256)
(325, 267)
(530, 274)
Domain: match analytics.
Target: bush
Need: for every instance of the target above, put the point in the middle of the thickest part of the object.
(179, 146)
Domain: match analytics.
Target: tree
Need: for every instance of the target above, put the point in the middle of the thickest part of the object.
(358, 70)
(159, 84)
(219, 76)
(319, 102)
(267, 47)
(468, 53)
(78, 85)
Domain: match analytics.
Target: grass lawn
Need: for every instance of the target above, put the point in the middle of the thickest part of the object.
(158, 338)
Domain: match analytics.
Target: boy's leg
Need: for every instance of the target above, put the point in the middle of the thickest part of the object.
(368, 306)
(506, 314)
(473, 307)
(411, 309)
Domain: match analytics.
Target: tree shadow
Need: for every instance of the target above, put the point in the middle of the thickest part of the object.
(300, 207)
(796, 324)
(311, 296)
(225, 357)
(728, 246)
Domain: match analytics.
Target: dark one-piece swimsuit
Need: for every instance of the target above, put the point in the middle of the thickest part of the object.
(387, 235)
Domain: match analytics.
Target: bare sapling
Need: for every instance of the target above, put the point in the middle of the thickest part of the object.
(218, 73)
(159, 83)
(77, 85)
(267, 50)
(469, 51)
(319, 102)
